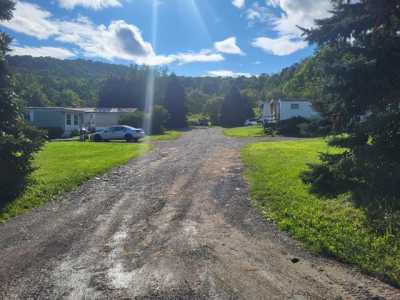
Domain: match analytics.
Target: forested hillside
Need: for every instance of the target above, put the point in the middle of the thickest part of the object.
(53, 82)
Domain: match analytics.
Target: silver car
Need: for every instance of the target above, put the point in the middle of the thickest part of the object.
(118, 132)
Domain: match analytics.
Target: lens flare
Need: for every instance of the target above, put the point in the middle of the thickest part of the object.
(150, 84)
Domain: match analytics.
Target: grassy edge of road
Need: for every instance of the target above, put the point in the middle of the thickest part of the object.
(61, 166)
(333, 227)
(245, 131)
(167, 135)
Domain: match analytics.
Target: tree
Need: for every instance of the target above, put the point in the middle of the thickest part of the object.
(359, 52)
(212, 108)
(175, 103)
(235, 109)
(157, 119)
(18, 141)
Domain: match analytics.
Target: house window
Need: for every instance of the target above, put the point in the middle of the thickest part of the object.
(68, 119)
(76, 122)
(294, 106)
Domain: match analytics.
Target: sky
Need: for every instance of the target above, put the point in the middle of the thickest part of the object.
(189, 37)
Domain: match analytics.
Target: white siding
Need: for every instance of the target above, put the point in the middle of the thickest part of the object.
(290, 109)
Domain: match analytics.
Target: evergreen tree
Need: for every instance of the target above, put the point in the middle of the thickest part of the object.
(235, 109)
(360, 62)
(175, 103)
(18, 141)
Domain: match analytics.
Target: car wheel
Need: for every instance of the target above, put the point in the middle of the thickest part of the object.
(129, 138)
(98, 138)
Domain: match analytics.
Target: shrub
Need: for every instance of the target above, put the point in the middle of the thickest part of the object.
(140, 119)
(292, 126)
(54, 132)
(134, 119)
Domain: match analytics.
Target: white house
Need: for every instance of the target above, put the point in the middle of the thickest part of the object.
(283, 109)
(70, 119)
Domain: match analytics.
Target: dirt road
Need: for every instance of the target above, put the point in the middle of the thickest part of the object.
(174, 224)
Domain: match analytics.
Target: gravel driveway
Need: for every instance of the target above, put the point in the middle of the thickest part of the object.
(174, 224)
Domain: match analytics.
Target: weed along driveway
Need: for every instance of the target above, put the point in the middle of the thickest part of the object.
(176, 223)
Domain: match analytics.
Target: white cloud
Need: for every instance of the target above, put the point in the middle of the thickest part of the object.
(93, 4)
(55, 52)
(295, 13)
(279, 46)
(301, 13)
(30, 19)
(228, 46)
(118, 40)
(258, 14)
(226, 73)
(239, 3)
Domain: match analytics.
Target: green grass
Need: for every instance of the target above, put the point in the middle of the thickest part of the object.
(168, 135)
(63, 165)
(329, 226)
(245, 131)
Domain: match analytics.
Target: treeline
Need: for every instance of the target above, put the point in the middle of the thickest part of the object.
(82, 83)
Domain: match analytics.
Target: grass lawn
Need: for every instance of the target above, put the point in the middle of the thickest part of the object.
(245, 131)
(63, 165)
(168, 135)
(329, 226)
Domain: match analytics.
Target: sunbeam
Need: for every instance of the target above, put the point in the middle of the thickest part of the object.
(149, 101)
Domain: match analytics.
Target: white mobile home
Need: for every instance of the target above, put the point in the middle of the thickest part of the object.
(70, 119)
(283, 109)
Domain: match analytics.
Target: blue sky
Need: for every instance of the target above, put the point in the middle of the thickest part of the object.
(190, 37)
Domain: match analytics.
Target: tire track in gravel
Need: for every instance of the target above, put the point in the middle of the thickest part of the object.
(175, 224)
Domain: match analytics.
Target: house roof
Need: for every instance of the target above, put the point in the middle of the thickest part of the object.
(86, 109)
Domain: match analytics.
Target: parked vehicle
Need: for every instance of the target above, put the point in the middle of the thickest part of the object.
(119, 132)
(249, 122)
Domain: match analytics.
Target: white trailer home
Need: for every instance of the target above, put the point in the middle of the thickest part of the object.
(283, 109)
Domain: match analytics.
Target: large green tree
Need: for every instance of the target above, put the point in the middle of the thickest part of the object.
(18, 141)
(235, 109)
(175, 103)
(360, 62)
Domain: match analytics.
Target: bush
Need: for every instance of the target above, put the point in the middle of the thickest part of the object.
(134, 119)
(302, 127)
(139, 119)
(53, 132)
(198, 120)
(292, 126)
(16, 152)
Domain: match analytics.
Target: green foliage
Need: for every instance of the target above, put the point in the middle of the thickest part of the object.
(61, 166)
(359, 64)
(53, 132)
(212, 109)
(139, 119)
(245, 131)
(159, 119)
(135, 119)
(175, 103)
(331, 226)
(198, 120)
(18, 141)
(235, 109)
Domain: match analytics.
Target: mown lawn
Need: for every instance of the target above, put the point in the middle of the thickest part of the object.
(329, 226)
(168, 135)
(245, 131)
(63, 165)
